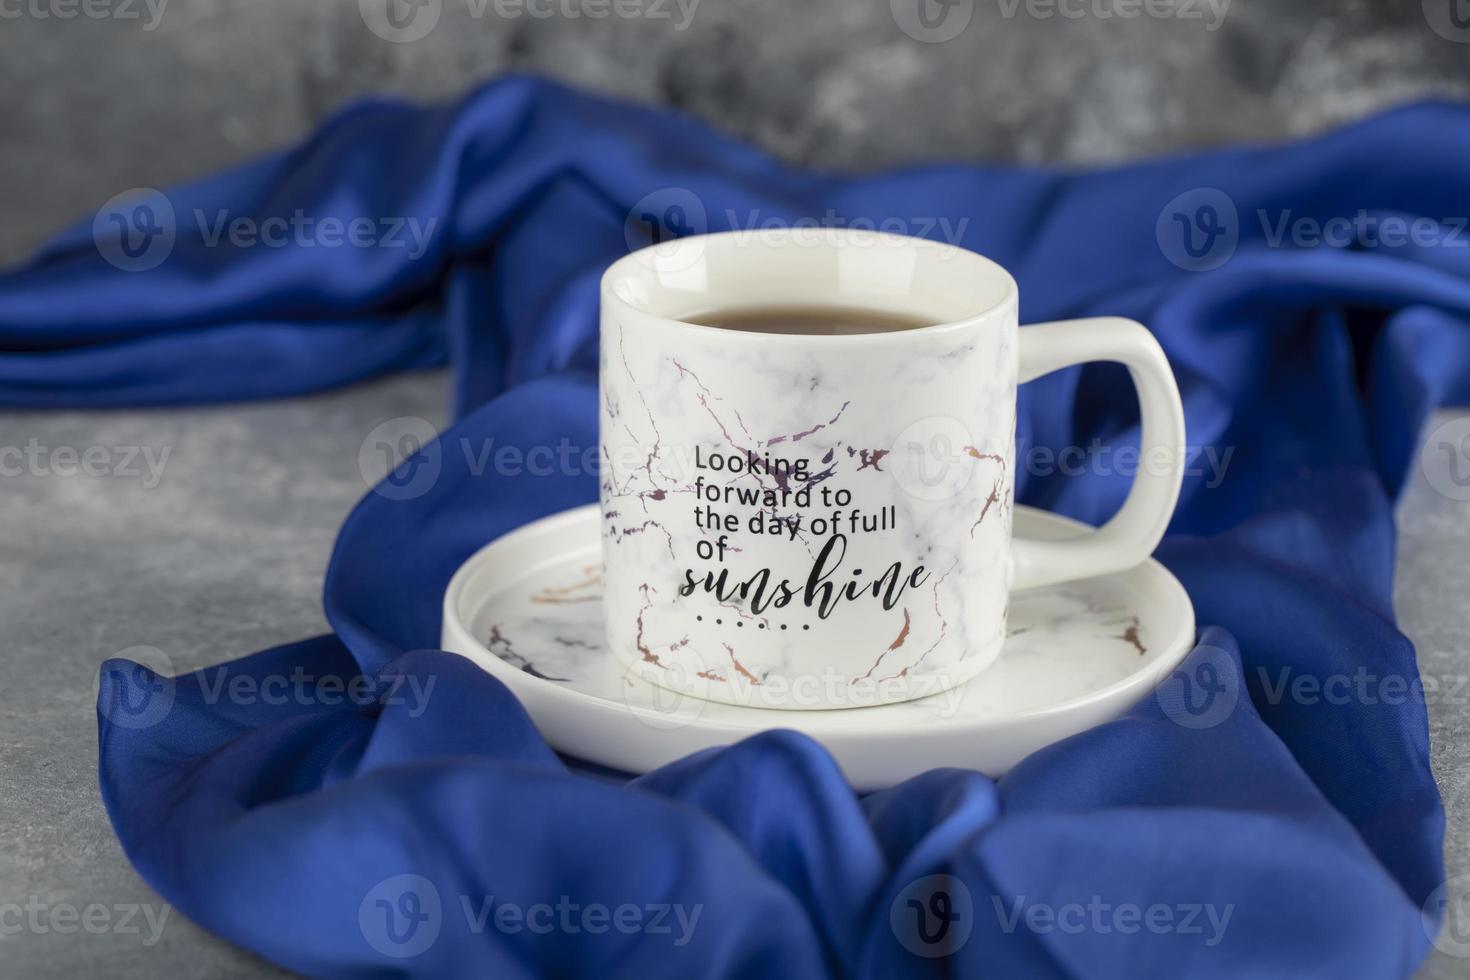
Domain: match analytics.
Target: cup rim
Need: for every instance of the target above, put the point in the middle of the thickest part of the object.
(777, 239)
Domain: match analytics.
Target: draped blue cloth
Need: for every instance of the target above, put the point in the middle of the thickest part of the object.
(364, 837)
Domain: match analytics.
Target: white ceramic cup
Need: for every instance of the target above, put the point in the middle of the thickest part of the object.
(819, 521)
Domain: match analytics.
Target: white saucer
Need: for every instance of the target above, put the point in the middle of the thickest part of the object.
(527, 608)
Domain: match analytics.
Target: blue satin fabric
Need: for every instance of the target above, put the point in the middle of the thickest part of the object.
(1314, 824)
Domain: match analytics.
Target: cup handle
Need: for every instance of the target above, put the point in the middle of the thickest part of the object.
(1133, 533)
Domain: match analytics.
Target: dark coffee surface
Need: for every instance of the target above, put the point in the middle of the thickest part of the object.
(834, 321)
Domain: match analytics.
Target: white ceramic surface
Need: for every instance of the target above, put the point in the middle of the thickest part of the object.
(528, 609)
(818, 520)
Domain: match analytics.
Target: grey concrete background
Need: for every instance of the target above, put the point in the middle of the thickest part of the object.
(225, 554)
(97, 105)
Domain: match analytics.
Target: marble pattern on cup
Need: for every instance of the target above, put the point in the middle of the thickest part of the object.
(856, 419)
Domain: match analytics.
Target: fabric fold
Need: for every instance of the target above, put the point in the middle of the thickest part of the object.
(384, 830)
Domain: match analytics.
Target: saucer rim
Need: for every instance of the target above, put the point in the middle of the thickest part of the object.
(1173, 648)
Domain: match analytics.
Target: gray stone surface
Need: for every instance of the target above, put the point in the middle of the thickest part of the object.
(225, 554)
(1433, 606)
(220, 554)
(97, 106)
